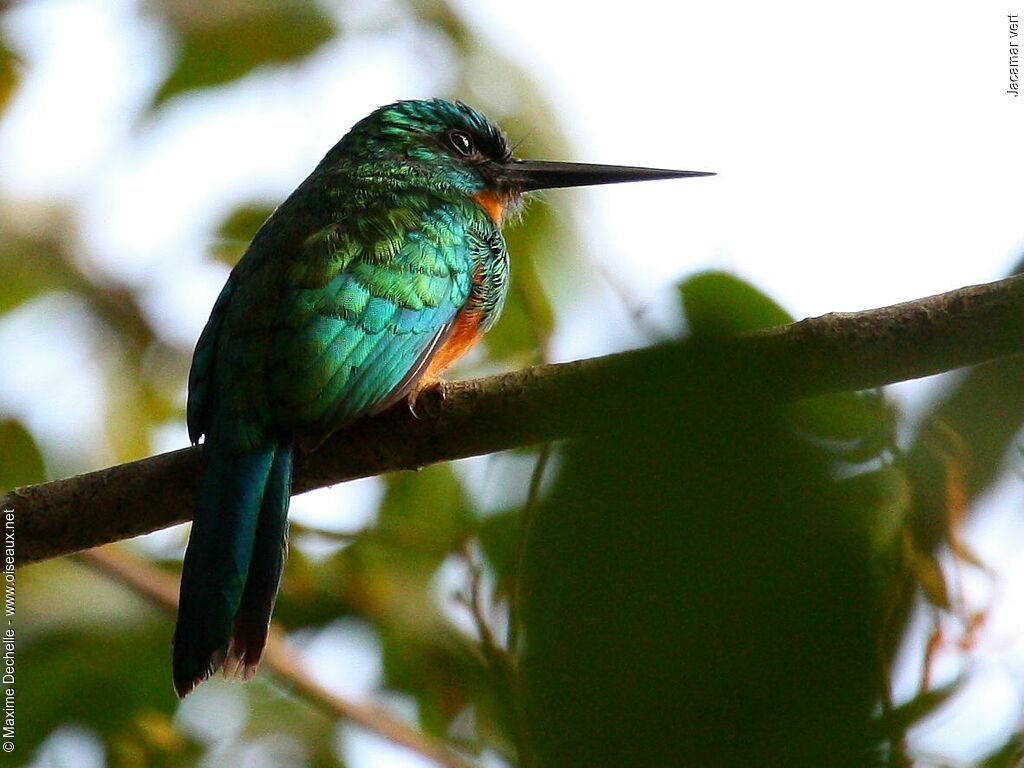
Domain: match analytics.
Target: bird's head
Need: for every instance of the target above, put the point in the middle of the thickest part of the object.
(451, 144)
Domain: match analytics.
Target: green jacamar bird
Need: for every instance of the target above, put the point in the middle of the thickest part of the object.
(377, 273)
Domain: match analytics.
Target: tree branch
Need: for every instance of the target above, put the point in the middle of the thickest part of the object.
(835, 352)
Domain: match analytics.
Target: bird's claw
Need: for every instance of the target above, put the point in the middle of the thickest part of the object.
(427, 398)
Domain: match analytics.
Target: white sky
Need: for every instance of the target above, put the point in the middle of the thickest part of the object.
(867, 154)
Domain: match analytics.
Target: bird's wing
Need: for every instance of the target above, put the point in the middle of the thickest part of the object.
(317, 338)
(201, 372)
(339, 367)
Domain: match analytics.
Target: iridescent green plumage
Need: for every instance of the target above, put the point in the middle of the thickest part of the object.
(353, 280)
(334, 311)
(387, 262)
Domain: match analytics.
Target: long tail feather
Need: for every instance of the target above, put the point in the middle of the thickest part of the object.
(217, 561)
(249, 635)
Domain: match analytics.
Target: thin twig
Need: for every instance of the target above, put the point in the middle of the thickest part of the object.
(160, 587)
(498, 661)
(301, 529)
(636, 311)
(493, 654)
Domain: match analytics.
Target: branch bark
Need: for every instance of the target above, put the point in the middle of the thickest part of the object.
(835, 352)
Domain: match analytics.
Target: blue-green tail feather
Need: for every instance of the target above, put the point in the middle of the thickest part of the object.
(233, 561)
(252, 621)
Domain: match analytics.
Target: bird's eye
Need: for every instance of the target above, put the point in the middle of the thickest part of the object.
(461, 142)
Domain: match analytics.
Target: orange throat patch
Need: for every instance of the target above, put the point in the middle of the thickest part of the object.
(494, 203)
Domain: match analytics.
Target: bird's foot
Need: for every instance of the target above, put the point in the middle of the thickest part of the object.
(427, 397)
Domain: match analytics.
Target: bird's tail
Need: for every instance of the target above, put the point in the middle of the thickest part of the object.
(233, 563)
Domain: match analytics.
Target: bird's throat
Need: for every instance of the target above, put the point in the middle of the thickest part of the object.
(494, 202)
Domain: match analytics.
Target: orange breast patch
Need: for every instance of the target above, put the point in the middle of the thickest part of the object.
(464, 335)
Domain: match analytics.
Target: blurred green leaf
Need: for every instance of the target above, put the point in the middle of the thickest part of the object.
(10, 75)
(877, 505)
(928, 574)
(114, 682)
(237, 230)
(860, 425)
(691, 596)
(425, 513)
(277, 717)
(1009, 755)
(447, 674)
(440, 15)
(221, 40)
(982, 409)
(33, 256)
(20, 460)
(438, 673)
(128, 416)
(718, 304)
(313, 591)
(499, 537)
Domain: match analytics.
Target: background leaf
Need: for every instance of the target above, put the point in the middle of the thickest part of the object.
(20, 460)
(237, 230)
(222, 40)
(10, 66)
(690, 598)
(718, 304)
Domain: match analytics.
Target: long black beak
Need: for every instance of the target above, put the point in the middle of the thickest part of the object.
(529, 175)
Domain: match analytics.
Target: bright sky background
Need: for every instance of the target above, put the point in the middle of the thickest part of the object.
(867, 154)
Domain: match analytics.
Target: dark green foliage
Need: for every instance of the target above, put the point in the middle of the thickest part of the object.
(499, 536)
(121, 693)
(425, 515)
(695, 595)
